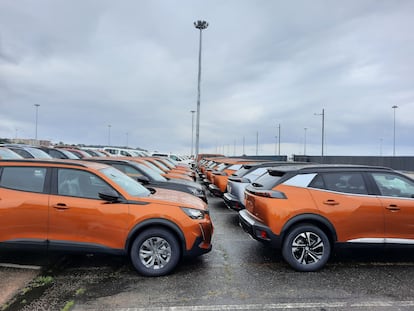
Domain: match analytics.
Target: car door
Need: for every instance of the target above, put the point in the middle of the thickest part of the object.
(397, 198)
(78, 217)
(23, 205)
(344, 200)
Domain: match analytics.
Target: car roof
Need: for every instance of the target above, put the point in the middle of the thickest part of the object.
(70, 162)
(312, 168)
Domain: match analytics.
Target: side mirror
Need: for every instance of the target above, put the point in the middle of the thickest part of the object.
(109, 195)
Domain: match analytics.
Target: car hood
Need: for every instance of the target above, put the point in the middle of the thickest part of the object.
(186, 182)
(178, 198)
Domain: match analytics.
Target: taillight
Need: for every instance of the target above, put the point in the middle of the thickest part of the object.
(263, 235)
(269, 194)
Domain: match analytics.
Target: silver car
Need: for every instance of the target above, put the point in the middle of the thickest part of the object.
(234, 197)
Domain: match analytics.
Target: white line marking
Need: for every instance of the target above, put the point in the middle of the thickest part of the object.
(280, 306)
(16, 266)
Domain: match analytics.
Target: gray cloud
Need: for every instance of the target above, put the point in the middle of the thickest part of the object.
(133, 65)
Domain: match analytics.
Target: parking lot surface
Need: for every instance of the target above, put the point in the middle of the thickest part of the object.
(238, 274)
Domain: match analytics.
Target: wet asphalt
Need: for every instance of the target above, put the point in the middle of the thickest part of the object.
(238, 274)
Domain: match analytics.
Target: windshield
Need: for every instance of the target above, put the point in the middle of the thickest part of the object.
(37, 153)
(150, 172)
(128, 184)
(252, 176)
(153, 166)
(162, 165)
(70, 155)
(8, 154)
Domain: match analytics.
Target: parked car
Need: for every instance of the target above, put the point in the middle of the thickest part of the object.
(175, 157)
(59, 153)
(91, 207)
(6, 153)
(248, 173)
(29, 152)
(81, 154)
(308, 210)
(219, 178)
(150, 178)
(165, 171)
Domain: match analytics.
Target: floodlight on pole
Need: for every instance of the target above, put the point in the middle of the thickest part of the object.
(199, 25)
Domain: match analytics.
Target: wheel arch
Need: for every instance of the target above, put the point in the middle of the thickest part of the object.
(317, 220)
(155, 222)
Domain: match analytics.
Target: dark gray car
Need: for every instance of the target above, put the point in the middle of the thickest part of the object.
(150, 178)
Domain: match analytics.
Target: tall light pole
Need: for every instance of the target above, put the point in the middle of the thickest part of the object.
(192, 131)
(276, 145)
(37, 110)
(199, 25)
(393, 150)
(323, 129)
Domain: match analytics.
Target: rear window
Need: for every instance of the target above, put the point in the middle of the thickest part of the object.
(266, 181)
(30, 179)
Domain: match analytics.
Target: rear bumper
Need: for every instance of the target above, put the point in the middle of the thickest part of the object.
(257, 230)
(232, 202)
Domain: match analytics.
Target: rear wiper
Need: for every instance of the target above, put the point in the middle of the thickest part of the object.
(257, 185)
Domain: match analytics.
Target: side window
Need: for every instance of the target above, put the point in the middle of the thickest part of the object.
(394, 185)
(30, 179)
(79, 183)
(347, 182)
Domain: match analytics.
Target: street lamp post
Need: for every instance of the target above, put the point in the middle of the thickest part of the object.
(199, 25)
(192, 131)
(37, 110)
(393, 150)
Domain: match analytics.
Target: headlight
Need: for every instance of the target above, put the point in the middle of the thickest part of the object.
(193, 213)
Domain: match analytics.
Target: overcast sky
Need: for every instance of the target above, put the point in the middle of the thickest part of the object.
(125, 72)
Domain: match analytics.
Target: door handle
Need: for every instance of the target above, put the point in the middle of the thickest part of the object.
(330, 202)
(393, 207)
(61, 206)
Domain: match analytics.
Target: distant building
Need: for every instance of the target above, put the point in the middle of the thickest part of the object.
(32, 142)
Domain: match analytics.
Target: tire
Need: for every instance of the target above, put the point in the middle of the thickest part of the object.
(306, 248)
(155, 252)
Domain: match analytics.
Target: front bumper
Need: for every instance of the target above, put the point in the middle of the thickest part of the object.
(257, 230)
(215, 190)
(202, 244)
(232, 202)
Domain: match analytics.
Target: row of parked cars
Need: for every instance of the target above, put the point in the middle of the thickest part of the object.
(147, 208)
(306, 209)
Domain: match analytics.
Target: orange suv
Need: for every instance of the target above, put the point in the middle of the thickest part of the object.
(307, 210)
(91, 207)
